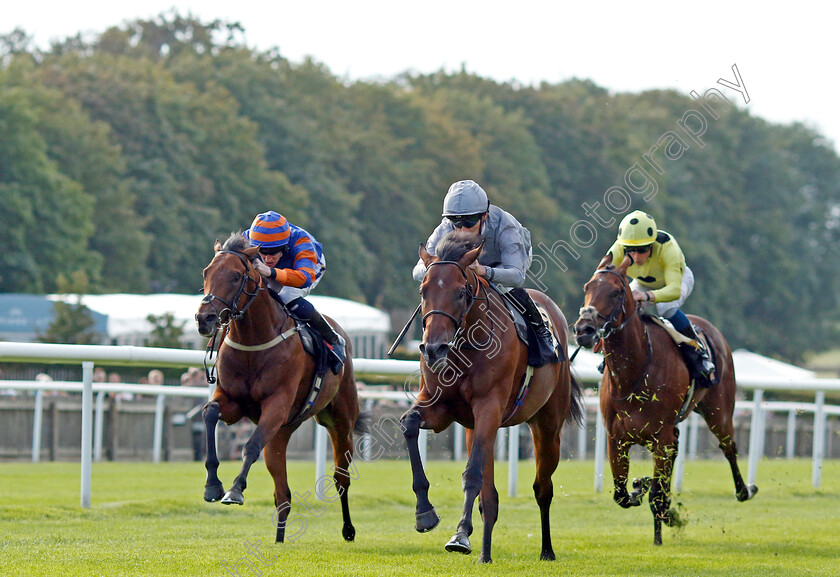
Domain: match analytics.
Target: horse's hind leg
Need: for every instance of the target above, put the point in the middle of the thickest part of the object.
(275, 462)
(488, 501)
(426, 518)
(546, 437)
(341, 433)
(720, 423)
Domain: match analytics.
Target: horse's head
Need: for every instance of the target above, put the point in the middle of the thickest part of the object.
(230, 284)
(447, 292)
(607, 303)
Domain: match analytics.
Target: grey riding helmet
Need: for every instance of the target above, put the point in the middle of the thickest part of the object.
(464, 198)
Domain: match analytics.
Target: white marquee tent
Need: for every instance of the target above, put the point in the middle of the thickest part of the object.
(128, 325)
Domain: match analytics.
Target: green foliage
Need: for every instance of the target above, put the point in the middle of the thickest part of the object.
(165, 333)
(127, 155)
(73, 322)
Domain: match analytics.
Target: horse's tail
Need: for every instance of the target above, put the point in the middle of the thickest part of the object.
(576, 405)
(362, 424)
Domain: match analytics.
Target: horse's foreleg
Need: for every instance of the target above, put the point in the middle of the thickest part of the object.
(426, 518)
(665, 453)
(273, 413)
(213, 488)
(484, 437)
(617, 451)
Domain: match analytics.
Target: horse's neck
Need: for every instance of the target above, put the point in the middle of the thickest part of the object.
(263, 321)
(626, 353)
(488, 312)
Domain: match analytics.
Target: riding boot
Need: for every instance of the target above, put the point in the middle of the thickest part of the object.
(699, 363)
(335, 342)
(544, 345)
(303, 310)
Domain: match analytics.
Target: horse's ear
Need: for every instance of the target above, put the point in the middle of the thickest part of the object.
(469, 257)
(217, 246)
(252, 251)
(622, 268)
(604, 261)
(425, 256)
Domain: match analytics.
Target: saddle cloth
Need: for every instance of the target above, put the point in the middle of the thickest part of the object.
(523, 330)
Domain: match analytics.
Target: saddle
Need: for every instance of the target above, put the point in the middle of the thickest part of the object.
(523, 330)
(703, 344)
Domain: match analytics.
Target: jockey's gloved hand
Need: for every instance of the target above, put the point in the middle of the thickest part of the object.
(262, 268)
(642, 296)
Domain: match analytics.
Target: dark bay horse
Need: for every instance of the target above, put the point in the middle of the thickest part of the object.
(265, 375)
(643, 389)
(473, 371)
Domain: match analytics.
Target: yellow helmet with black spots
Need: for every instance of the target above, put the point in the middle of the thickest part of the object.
(637, 229)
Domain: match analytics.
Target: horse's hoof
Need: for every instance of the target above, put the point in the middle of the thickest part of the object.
(750, 492)
(213, 493)
(641, 485)
(547, 556)
(425, 522)
(459, 544)
(348, 532)
(233, 497)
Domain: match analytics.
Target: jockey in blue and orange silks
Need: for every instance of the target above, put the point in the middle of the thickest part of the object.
(293, 263)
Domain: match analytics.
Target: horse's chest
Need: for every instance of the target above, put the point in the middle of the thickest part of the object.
(632, 422)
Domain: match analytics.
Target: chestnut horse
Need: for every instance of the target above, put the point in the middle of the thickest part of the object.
(265, 375)
(643, 389)
(473, 372)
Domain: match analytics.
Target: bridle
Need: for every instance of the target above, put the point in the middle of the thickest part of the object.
(472, 296)
(611, 327)
(230, 310)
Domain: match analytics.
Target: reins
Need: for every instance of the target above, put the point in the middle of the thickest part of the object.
(230, 311)
(610, 328)
(473, 295)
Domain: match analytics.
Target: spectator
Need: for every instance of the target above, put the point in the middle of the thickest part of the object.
(115, 378)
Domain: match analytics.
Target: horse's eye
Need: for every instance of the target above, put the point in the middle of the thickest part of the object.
(462, 294)
(615, 294)
(237, 277)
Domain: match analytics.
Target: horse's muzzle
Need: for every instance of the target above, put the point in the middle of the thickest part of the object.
(434, 353)
(586, 334)
(206, 323)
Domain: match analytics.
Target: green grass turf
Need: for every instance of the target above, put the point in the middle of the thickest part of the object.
(150, 519)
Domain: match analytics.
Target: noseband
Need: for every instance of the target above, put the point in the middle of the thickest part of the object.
(230, 308)
(610, 327)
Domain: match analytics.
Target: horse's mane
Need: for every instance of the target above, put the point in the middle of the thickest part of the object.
(236, 243)
(456, 244)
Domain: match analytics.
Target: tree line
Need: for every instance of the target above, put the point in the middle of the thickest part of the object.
(125, 155)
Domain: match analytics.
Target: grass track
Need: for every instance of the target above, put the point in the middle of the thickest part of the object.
(151, 520)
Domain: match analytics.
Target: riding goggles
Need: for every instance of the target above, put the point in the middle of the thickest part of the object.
(468, 221)
(271, 250)
(638, 249)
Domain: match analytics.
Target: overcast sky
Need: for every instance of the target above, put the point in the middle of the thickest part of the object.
(786, 58)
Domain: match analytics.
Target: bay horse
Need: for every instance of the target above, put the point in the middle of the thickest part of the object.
(473, 372)
(643, 389)
(265, 375)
